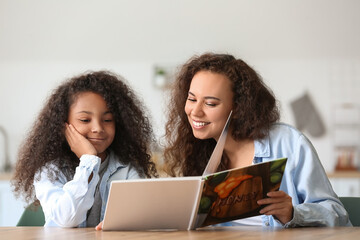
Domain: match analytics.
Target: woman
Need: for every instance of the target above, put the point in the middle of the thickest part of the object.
(207, 88)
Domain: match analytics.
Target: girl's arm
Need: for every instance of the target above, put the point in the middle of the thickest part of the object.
(65, 203)
(77, 142)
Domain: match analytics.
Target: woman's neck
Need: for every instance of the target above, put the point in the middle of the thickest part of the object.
(239, 153)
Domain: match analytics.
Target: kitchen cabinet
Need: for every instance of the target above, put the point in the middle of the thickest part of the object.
(346, 141)
(346, 136)
(10, 207)
(346, 183)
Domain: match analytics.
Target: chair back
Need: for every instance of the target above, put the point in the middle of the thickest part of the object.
(32, 216)
(352, 206)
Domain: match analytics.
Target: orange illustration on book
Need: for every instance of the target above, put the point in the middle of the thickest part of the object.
(237, 196)
(224, 189)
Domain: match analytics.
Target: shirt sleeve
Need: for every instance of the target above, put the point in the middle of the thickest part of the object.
(65, 203)
(316, 204)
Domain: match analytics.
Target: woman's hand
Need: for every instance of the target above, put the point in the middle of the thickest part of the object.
(279, 204)
(99, 226)
(77, 142)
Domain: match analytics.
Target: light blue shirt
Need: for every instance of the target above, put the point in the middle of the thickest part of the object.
(305, 181)
(66, 203)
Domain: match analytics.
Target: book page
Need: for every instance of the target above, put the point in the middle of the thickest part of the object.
(216, 155)
(233, 194)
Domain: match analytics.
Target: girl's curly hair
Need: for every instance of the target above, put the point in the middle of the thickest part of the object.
(46, 141)
(254, 110)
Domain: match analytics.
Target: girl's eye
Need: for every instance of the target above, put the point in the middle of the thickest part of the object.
(108, 120)
(84, 120)
(191, 99)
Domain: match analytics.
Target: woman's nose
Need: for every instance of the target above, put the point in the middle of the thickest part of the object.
(197, 109)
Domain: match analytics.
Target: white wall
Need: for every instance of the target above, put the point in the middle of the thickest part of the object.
(173, 30)
(297, 46)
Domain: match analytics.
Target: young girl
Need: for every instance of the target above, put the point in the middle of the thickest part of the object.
(91, 131)
(207, 88)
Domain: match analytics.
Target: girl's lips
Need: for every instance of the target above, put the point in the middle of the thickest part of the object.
(96, 139)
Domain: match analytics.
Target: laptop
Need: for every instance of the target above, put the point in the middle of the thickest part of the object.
(159, 203)
(163, 203)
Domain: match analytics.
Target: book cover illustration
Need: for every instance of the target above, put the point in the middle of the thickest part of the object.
(233, 194)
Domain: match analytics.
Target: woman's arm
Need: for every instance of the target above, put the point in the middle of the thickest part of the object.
(314, 201)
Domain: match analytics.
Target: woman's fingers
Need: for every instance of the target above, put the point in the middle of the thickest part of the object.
(278, 204)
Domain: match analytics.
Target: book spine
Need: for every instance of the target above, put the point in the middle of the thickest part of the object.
(192, 222)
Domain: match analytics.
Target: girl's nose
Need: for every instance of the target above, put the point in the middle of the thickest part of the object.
(97, 127)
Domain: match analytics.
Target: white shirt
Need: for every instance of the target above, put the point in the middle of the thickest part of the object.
(66, 203)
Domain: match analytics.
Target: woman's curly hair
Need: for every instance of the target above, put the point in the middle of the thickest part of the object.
(46, 141)
(254, 111)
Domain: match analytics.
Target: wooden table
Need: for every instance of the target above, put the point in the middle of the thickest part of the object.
(223, 233)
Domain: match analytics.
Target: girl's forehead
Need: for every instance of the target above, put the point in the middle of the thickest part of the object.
(88, 99)
(84, 94)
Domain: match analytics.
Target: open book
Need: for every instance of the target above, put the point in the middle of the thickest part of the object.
(192, 202)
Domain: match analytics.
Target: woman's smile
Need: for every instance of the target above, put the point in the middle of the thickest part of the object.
(199, 124)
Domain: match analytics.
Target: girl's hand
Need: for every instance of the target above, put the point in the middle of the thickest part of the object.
(279, 204)
(99, 226)
(77, 142)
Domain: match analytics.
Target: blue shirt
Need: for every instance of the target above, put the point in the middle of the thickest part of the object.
(305, 181)
(66, 203)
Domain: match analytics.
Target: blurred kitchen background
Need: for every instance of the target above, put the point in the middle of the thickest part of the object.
(307, 51)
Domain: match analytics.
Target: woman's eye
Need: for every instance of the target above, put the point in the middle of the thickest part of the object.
(191, 99)
(84, 120)
(108, 120)
(211, 104)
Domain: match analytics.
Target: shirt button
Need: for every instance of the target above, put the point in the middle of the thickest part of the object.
(267, 224)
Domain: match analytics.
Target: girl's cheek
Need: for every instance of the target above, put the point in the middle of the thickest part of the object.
(82, 130)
